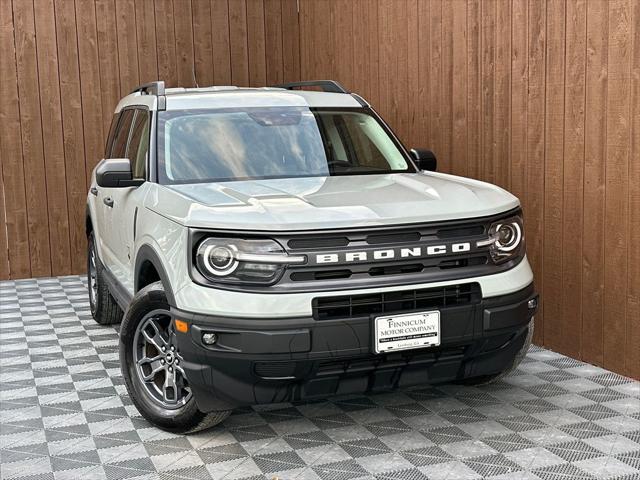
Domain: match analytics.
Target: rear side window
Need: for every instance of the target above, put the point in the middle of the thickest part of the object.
(119, 147)
(139, 144)
(112, 132)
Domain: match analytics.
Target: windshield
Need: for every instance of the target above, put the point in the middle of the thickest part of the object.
(259, 143)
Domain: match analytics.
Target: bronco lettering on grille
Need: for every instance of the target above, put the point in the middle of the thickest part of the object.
(387, 254)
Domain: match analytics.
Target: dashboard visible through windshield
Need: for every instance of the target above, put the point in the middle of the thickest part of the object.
(214, 145)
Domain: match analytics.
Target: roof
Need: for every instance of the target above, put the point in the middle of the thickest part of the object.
(231, 96)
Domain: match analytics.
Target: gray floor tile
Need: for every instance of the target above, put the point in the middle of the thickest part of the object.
(65, 414)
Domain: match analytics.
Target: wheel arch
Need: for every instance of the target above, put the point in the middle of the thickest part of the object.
(149, 268)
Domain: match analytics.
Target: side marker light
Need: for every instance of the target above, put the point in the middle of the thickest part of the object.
(181, 326)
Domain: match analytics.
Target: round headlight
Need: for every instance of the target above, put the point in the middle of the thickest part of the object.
(220, 257)
(220, 260)
(259, 261)
(505, 239)
(508, 236)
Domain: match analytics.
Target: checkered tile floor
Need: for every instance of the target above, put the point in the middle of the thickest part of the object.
(65, 414)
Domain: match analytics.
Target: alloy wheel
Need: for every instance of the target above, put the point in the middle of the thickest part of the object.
(158, 363)
(93, 277)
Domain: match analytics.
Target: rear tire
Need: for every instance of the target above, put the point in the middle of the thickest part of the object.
(487, 379)
(104, 308)
(152, 366)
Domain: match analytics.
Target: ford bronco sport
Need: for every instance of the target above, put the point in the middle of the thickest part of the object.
(280, 244)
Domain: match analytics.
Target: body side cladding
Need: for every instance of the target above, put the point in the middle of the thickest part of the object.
(117, 290)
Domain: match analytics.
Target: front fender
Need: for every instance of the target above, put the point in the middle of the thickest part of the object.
(146, 253)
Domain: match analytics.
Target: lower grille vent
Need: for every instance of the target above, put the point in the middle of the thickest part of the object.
(396, 360)
(275, 369)
(354, 306)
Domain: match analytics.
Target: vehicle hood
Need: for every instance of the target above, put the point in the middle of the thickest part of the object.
(316, 203)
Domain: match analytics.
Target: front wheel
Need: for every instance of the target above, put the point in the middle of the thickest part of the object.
(152, 366)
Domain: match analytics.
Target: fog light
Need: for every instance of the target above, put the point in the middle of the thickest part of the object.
(533, 303)
(209, 338)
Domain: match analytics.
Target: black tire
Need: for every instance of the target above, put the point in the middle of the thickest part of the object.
(187, 418)
(104, 309)
(487, 379)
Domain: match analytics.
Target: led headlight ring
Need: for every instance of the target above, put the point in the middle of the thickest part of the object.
(227, 257)
(514, 241)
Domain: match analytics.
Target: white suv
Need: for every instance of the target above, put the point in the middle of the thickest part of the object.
(280, 244)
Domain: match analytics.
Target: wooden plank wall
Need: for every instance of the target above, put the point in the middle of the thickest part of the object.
(64, 64)
(540, 97)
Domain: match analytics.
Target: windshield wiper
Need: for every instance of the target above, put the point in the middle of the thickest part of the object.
(361, 170)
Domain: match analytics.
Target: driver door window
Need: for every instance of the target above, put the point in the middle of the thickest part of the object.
(138, 147)
(119, 145)
(112, 133)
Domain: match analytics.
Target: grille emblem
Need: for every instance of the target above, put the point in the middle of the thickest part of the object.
(387, 254)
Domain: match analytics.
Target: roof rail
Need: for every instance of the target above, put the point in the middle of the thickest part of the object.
(325, 85)
(151, 88)
(154, 88)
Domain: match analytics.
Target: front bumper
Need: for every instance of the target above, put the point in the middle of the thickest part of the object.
(258, 361)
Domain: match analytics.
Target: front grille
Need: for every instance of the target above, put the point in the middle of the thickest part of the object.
(317, 242)
(354, 306)
(354, 266)
(387, 236)
(275, 369)
(381, 270)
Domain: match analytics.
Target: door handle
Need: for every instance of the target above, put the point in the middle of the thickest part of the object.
(94, 191)
(108, 201)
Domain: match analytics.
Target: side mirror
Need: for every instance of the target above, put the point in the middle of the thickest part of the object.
(116, 173)
(425, 159)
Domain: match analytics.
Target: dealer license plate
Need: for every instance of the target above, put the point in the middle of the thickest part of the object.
(407, 331)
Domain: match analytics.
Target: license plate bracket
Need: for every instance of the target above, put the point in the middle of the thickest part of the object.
(406, 331)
